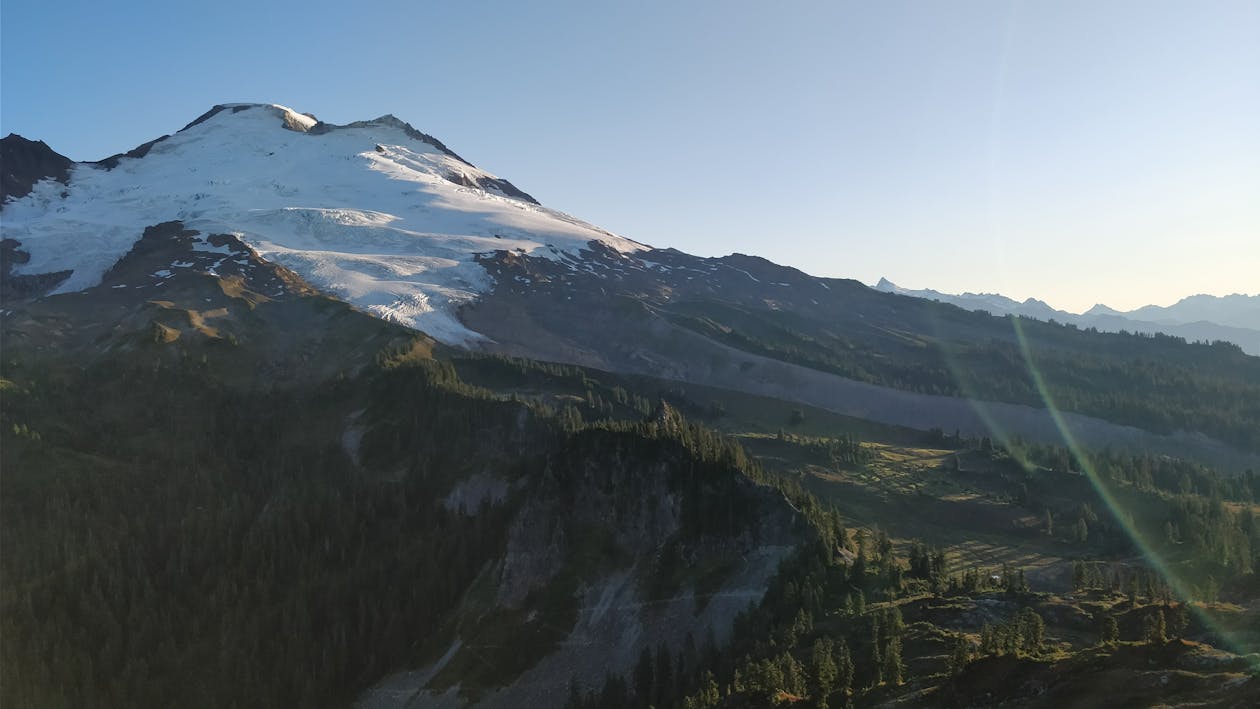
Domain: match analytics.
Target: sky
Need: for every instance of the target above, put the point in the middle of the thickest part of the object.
(1077, 152)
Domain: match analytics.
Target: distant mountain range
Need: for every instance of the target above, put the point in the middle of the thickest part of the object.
(1232, 318)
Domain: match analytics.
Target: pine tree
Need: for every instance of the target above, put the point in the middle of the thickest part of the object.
(823, 670)
(709, 693)
(1032, 630)
(1154, 629)
(1179, 621)
(793, 675)
(1110, 630)
(575, 700)
(959, 655)
(643, 678)
(664, 679)
(875, 658)
(894, 623)
(844, 670)
(892, 660)
(614, 692)
(988, 642)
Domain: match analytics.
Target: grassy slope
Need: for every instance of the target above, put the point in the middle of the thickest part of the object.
(918, 486)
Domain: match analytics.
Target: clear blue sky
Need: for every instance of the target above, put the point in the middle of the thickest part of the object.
(1072, 151)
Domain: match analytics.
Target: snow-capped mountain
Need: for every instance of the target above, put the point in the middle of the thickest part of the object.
(1197, 318)
(374, 212)
(258, 205)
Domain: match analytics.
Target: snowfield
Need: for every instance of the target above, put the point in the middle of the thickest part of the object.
(368, 212)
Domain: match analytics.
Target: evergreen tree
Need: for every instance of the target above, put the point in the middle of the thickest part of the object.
(875, 659)
(844, 671)
(1032, 630)
(644, 673)
(575, 700)
(823, 671)
(1179, 621)
(959, 655)
(664, 678)
(894, 669)
(613, 696)
(988, 640)
(1109, 630)
(793, 675)
(1154, 629)
(1081, 531)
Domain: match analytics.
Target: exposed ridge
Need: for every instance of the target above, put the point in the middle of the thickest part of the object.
(26, 162)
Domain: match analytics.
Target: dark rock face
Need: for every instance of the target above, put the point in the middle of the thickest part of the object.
(13, 286)
(491, 184)
(168, 253)
(26, 162)
(389, 120)
(507, 188)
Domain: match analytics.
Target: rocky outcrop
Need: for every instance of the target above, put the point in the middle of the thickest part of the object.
(492, 184)
(25, 162)
(15, 286)
(620, 545)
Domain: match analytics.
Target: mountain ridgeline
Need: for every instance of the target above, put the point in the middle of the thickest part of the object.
(297, 414)
(745, 323)
(1197, 318)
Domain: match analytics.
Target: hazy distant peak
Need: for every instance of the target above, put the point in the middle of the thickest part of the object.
(1233, 318)
(1100, 309)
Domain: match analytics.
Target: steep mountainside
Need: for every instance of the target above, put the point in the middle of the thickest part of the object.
(233, 490)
